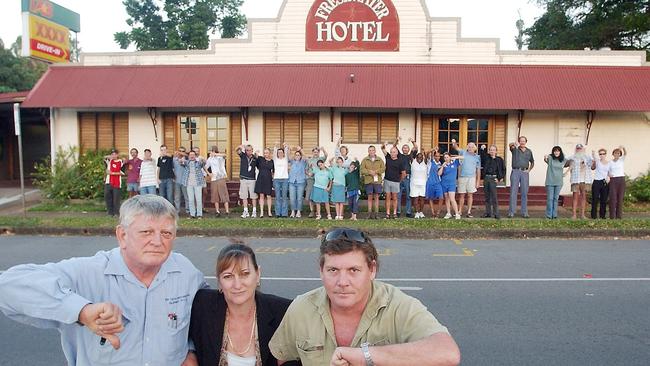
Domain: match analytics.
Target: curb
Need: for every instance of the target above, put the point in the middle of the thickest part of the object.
(375, 233)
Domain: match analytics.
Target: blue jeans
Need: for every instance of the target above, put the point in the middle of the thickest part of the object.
(180, 197)
(296, 194)
(167, 189)
(552, 198)
(518, 178)
(404, 188)
(195, 200)
(353, 201)
(281, 187)
(148, 190)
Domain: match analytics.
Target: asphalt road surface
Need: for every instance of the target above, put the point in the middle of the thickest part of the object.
(506, 302)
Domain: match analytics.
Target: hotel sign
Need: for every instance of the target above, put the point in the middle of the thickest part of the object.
(352, 25)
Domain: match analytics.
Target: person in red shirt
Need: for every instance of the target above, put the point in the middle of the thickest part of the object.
(113, 183)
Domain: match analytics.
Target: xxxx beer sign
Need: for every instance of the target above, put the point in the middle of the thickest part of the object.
(352, 25)
(46, 30)
(47, 40)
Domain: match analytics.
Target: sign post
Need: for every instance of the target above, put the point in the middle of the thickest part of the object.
(20, 154)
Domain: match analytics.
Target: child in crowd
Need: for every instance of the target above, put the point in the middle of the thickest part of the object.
(419, 170)
(433, 188)
(322, 186)
(338, 186)
(448, 172)
(353, 185)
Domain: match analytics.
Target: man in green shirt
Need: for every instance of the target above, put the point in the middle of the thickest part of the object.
(354, 319)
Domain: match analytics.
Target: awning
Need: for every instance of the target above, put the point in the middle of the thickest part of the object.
(455, 87)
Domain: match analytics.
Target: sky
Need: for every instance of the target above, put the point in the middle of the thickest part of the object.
(99, 20)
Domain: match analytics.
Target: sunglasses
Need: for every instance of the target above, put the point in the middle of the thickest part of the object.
(346, 234)
(602, 153)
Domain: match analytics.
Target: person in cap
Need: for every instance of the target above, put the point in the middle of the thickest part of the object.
(354, 319)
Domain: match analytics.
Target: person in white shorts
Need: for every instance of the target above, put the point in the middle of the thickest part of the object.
(470, 175)
(419, 175)
(247, 179)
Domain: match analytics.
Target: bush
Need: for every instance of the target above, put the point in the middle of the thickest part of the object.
(638, 189)
(72, 176)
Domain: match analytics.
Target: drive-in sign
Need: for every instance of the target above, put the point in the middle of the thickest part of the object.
(352, 25)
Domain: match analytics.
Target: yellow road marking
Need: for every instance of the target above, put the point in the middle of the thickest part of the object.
(458, 242)
(466, 253)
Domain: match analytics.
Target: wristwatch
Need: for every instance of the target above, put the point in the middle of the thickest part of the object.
(366, 354)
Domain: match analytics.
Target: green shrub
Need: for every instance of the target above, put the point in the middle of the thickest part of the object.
(72, 176)
(638, 189)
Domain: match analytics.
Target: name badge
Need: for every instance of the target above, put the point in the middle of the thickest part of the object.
(376, 178)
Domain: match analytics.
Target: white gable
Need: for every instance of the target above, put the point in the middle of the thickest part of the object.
(423, 40)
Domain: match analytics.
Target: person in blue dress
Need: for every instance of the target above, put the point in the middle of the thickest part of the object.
(338, 172)
(322, 187)
(448, 172)
(434, 189)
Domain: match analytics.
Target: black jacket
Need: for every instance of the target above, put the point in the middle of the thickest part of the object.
(209, 316)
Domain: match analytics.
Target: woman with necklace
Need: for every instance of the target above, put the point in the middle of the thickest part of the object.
(233, 325)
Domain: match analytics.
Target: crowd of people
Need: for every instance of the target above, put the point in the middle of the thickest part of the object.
(282, 180)
(141, 303)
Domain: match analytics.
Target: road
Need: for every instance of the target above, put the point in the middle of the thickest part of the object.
(506, 302)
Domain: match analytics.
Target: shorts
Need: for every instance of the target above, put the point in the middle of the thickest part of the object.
(133, 187)
(391, 187)
(319, 195)
(247, 189)
(446, 188)
(418, 190)
(309, 188)
(219, 191)
(373, 188)
(577, 187)
(466, 184)
(338, 193)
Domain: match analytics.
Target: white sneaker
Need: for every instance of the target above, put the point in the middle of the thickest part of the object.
(292, 215)
(457, 216)
(244, 214)
(254, 215)
(422, 215)
(298, 214)
(447, 216)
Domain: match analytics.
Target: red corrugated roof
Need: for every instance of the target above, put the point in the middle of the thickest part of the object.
(487, 87)
(13, 97)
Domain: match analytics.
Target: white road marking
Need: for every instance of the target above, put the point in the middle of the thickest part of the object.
(559, 279)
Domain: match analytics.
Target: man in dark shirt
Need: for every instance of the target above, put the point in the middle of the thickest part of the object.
(407, 155)
(395, 173)
(247, 179)
(494, 170)
(166, 174)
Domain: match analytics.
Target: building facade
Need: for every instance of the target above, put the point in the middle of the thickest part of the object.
(364, 70)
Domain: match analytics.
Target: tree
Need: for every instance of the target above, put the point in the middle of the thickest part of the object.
(179, 24)
(18, 73)
(577, 24)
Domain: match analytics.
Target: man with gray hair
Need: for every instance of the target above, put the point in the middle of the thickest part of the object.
(126, 306)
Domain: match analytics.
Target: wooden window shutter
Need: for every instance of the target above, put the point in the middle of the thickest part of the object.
(500, 122)
(87, 132)
(272, 129)
(235, 141)
(291, 130)
(426, 135)
(369, 128)
(350, 128)
(121, 132)
(105, 131)
(388, 126)
(170, 120)
(309, 131)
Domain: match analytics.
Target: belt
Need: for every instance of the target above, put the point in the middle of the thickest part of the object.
(522, 169)
(491, 175)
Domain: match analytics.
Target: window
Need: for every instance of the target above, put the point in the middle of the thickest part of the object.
(440, 130)
(103, 131)
(370, 128)
(295, 129)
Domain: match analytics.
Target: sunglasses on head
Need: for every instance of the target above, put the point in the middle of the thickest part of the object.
(346, 234)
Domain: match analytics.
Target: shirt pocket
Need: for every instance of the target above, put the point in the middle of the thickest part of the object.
(311, 353)
(175, 330)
